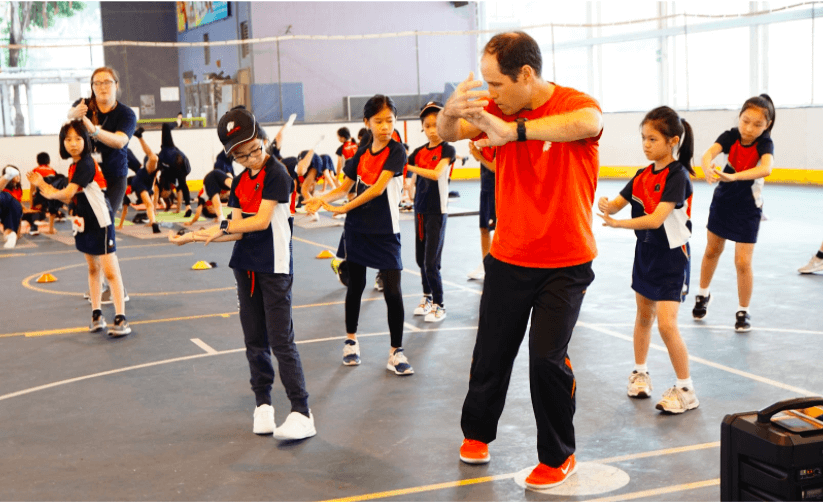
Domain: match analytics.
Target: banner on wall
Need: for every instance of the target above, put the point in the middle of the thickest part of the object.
(190, 15)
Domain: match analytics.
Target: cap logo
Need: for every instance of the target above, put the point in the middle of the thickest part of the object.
(231, 129)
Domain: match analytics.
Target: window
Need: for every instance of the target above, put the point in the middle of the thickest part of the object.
(716, 68)
(631, 76)
(790, 62)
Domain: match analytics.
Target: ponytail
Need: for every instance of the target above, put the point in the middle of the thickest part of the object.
(686, 150)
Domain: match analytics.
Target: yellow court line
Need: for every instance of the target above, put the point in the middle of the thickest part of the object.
(657, 453)
(81, 329)
(27, 280)
(660, 491)
(626, 496)
(422, 489)
(12, 255)
(74, 251)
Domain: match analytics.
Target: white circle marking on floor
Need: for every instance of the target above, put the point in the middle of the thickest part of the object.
(590, 479)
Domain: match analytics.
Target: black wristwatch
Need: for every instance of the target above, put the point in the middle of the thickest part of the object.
(224, 227)
(521, 129)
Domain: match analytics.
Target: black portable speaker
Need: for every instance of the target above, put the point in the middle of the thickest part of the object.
(773, 454)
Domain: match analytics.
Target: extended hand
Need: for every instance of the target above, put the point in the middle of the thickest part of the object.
(34, 178)
(465, 102)
(608, 221)
(313, 205)
(723, 176)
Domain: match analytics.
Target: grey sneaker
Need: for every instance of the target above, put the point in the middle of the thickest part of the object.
(120, 327)
(678, 400)
(640, 385)
(98, 322)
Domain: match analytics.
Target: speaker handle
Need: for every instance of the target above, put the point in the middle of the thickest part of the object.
(765, 415)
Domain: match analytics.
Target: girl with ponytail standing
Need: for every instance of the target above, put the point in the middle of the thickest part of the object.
(737, 203)
(661, 200)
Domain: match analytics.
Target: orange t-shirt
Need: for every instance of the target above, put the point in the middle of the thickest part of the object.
(544, 192)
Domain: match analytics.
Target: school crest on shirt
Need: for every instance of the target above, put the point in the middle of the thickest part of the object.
(657, 187)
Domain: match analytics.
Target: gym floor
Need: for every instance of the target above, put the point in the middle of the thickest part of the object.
(166, 413)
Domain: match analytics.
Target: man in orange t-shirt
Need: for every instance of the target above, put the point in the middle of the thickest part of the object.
(540, 261)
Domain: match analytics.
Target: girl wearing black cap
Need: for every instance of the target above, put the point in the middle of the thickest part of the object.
(432, 164)
(261, 226)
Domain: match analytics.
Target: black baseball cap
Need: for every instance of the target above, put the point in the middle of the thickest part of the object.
(431, 105)
(237, 126)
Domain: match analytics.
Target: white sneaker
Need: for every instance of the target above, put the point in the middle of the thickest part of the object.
(351, 352)
(478, 274)
(399, 364)
(814, 265)
(640, 385)
(678, 400)
(437, 314)
(297, 426)
(11, 241)
(263, 419)
(314, 217)
(425, 306)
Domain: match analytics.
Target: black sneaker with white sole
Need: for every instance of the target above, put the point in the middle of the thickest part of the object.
(743, 322)
(701, 305)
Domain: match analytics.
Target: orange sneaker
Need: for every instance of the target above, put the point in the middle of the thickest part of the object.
(543, 476)
(474, 452)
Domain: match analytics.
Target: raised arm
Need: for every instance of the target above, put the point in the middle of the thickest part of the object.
(463, 103)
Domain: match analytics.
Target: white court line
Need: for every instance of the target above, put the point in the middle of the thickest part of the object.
(383, 333)
(721, 367)
(712, 326)
(203, 345)
(410, 327)
(196, 356)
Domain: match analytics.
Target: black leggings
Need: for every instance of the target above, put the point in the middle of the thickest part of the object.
(391, 292)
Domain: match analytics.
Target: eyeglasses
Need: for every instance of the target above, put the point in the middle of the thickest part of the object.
(103, 83)
(243, 158)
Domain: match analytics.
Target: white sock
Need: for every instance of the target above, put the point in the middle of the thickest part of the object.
(743, 309)
(703, 292)
(685, 384)
(641, 368)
